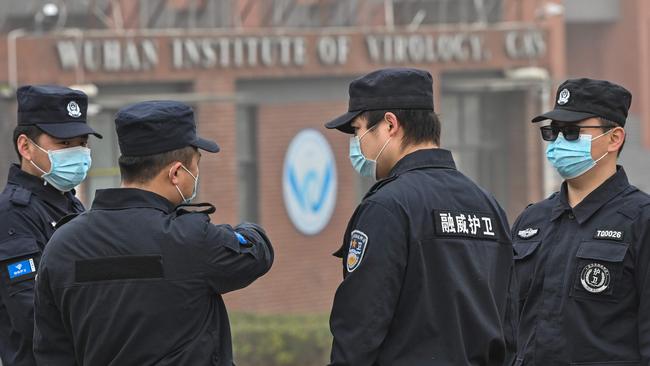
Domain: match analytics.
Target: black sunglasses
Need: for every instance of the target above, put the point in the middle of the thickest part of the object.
(571, 133)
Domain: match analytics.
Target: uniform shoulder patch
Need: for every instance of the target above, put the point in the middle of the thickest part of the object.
(358, 244)
(528, 233)
(21, 269)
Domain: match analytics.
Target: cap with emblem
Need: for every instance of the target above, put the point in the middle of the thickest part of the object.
(579, 99)
(391, 88)
(159, 126)
(56, 110)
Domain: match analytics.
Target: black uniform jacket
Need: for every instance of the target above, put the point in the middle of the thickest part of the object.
(584, 284)
(29, 209)
(134, 281)
(427, 261)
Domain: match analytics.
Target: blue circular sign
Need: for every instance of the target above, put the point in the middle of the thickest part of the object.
(309, 182)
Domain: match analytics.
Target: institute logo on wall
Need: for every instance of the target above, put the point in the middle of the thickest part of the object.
(309, 182)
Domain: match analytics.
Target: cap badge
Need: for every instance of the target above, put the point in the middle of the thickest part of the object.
(73, 110)
(564, 97)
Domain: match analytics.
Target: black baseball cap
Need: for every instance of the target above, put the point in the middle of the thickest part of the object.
(158, 126)
(390, 88)
(579, 99)
(56, 110)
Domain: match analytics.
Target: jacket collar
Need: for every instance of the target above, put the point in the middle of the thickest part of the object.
(36, 185)
(123, 198)
(427, 158)
(611, 188)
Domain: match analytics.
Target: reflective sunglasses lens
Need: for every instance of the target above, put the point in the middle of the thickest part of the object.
(548, 134)
(571, 133)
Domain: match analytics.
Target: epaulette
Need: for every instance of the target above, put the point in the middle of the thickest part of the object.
(20, 196)
(378, 186)
(186, 208)
(633, 210)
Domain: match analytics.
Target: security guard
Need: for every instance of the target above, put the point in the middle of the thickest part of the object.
(427, 256)
(50, 140)
(137, 279)
(583, 254)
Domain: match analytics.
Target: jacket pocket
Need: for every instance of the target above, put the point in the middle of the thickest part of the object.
(598, 271)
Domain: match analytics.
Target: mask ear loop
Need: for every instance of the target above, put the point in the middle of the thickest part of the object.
(43, 150)
(365, 133)
(601, 135)
(382, 148)
(190, 173)
(597, 137)
(176, 185)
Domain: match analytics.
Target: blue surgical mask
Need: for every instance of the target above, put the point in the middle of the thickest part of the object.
(364, 166)
(194, 191)
(68, 167)
(572, 158)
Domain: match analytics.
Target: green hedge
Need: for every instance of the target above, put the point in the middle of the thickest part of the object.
(280, 340)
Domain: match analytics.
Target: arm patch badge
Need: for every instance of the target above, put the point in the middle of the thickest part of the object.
(20, 270)
(358, 244)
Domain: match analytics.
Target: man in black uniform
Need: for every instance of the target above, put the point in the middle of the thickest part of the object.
(583, 254)
(426, 256)
(137, 280)
(50, 140)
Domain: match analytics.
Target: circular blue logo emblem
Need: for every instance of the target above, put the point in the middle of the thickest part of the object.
(309, 182)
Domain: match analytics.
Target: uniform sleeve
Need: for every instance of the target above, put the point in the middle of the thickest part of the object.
(365, 302)
(643, 285)
(52, 344)
(237, 256)
(19, 257)
(511, 321)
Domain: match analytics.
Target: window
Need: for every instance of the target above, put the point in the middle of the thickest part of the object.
(476, 132)
(447, 11)
(247, 163)
(104, 171)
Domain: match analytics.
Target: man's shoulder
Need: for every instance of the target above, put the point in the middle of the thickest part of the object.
(15, 208)
(14, 195)
(535, 216)
(541, 206)
(634, 203)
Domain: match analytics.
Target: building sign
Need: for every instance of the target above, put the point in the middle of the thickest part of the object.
(124, 54)
(309, 182)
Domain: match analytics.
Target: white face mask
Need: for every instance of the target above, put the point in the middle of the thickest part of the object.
(194, 191)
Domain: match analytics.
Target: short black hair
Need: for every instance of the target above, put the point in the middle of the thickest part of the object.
(32, 132)
(420, 125)
(142, 169)
(607, 124)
